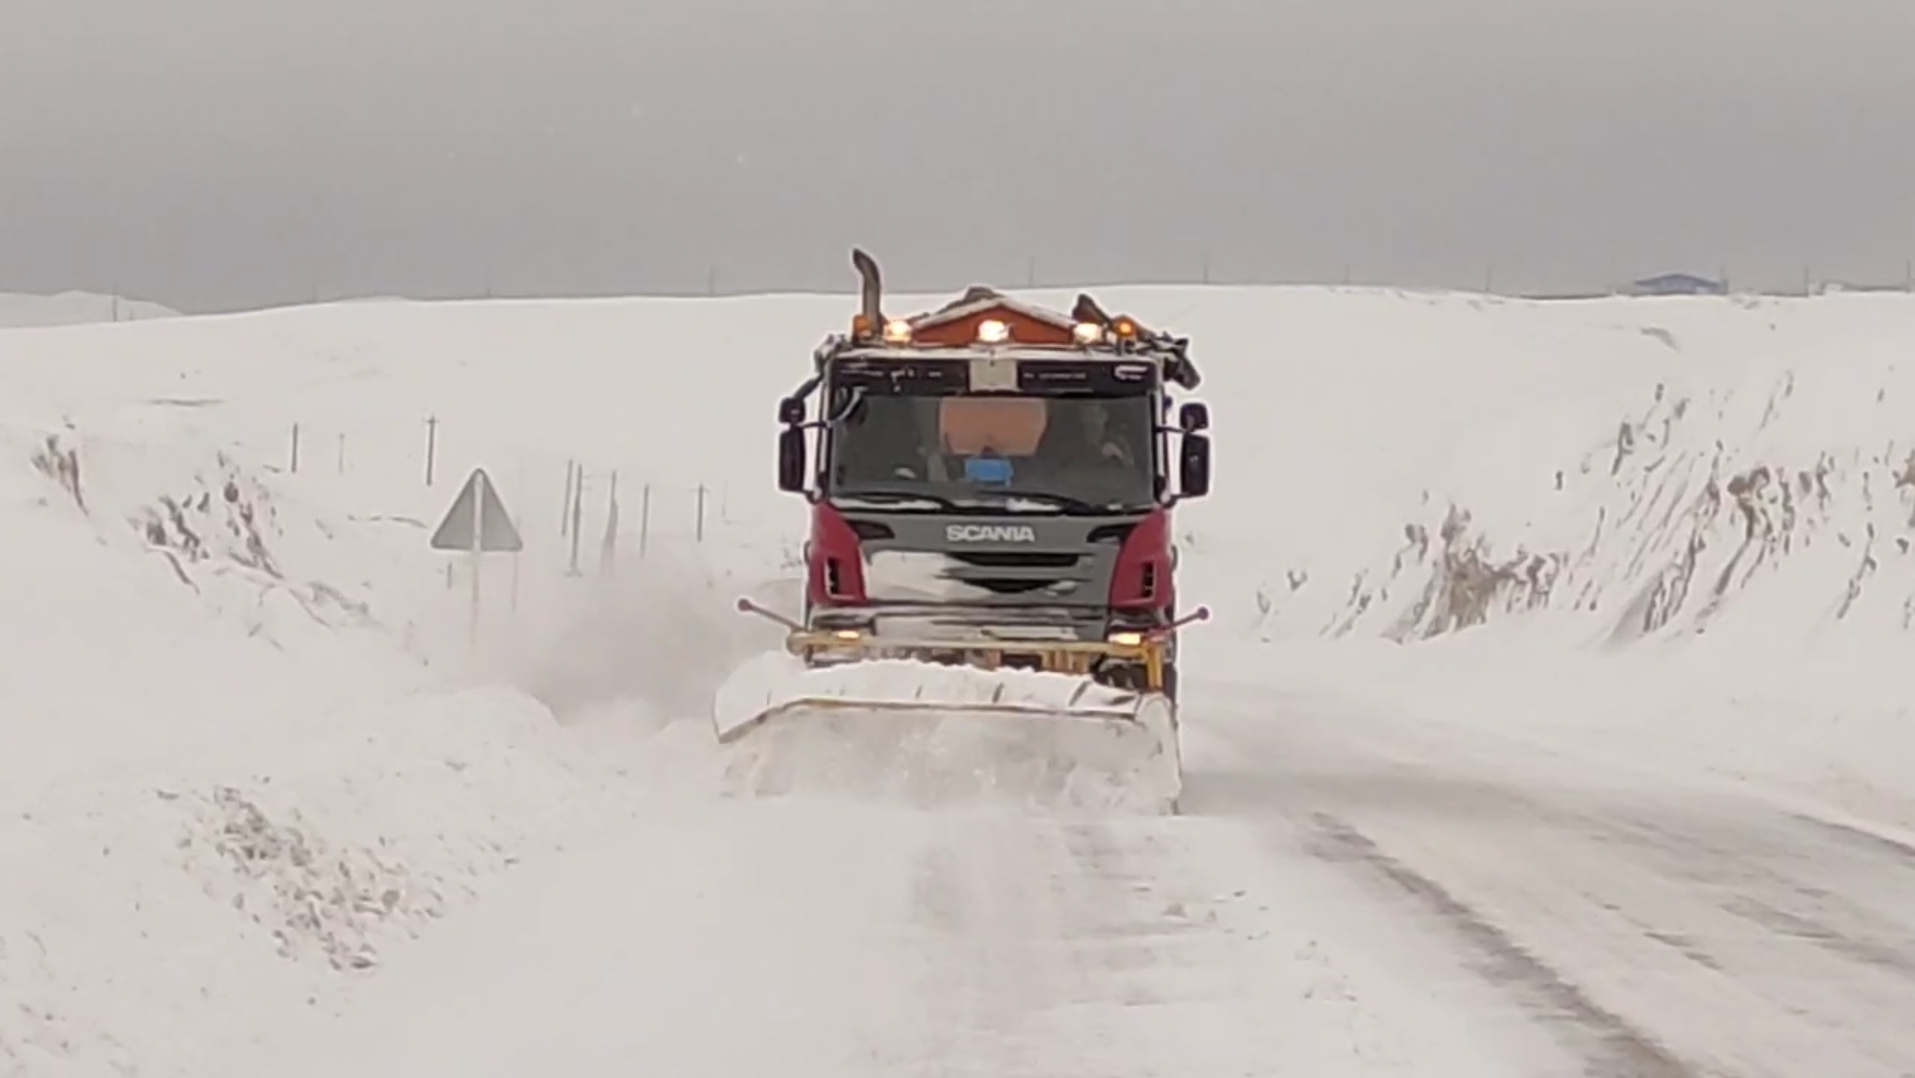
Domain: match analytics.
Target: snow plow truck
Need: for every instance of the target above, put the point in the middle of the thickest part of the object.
(990, 558)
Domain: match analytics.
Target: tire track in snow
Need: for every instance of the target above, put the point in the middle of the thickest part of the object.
(1732, 936)
(978, 894)
(1750, 887)
(1850, 835)
(1128, 947)
(1610, 1045)
(1036, 933)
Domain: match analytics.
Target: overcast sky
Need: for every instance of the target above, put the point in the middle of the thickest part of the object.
(216, 154)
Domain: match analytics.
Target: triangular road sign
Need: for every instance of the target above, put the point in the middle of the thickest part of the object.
(494, 527)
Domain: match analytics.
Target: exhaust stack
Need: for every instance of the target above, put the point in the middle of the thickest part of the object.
(873, 309)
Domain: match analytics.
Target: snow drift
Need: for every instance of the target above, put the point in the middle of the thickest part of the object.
(1774, 494)
(1671, 533)
(230, 777)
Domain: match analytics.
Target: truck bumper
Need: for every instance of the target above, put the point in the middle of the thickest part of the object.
(1108, 647)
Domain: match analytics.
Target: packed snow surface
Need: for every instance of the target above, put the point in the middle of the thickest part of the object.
(1552, 720)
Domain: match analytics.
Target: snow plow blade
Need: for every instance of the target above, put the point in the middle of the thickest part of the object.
(941, 720)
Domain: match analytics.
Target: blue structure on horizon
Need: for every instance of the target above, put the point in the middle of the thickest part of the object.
(1678, 284)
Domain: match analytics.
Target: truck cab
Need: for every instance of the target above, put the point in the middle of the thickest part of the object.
(994, 471)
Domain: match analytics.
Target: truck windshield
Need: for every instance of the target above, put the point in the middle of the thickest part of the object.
(1084, 453)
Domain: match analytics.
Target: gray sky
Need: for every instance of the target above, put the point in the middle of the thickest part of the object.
(215, 154)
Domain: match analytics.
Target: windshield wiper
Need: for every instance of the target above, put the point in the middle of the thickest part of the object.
(1061, 501)
(897, 496)
(995, 501)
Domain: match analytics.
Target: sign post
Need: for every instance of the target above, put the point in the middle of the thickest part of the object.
(477, 524)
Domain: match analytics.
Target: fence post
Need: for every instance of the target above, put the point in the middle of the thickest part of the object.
(700, 526)
(295, 449)
(578, 490)
(342, 453)
(608, 551)
(432, 445)
(644, 520)
(565, 501)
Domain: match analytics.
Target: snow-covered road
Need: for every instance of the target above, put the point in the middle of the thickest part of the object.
(1651, 929)
(1349, 893)
(933, 944)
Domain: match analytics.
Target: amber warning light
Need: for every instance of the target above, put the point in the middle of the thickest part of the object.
(901, 332)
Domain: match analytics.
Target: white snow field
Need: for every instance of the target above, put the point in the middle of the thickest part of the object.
(19, 309)
(1551, 721)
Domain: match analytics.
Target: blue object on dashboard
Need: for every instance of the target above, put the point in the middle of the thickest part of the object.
(987, 469)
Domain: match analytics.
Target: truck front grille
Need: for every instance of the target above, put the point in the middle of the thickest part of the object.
(1018, 559)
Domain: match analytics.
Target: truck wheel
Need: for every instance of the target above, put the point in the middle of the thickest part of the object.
(1170, 681)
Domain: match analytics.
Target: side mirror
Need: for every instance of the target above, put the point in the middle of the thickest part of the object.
(791, 460)
(1194, 416)
(1194, 470)
(791, 411)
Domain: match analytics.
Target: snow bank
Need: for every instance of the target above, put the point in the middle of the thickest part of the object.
(232, 780)
(181, 566)
(154, 922)
(1697, 557)
(1759, 495)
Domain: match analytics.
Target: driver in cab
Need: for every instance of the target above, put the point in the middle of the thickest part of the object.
(1098, 436)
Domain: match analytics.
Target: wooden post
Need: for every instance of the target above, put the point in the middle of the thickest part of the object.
(565, 501)
(578, 491)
